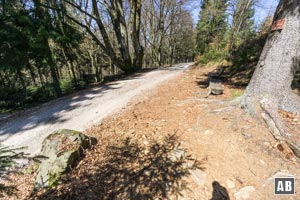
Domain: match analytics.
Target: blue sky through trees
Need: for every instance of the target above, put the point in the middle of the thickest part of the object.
(263, 8)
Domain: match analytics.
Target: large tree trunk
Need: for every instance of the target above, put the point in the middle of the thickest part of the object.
(135, 16)
(117, 15)
(270, 87)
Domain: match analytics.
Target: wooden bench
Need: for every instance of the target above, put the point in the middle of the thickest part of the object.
(215, 83)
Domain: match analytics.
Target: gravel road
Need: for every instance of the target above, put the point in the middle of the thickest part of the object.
(81, 110)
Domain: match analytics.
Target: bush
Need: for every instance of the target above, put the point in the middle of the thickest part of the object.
(82, 84)
(66, 86)
(211, 55)
(16, 98)
(7, 161)
(249, 51)
(40, 94)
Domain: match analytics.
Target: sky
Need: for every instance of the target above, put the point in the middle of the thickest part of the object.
(262, 10)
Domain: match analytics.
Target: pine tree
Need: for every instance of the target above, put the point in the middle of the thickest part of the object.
(242, 28)
(212, 24)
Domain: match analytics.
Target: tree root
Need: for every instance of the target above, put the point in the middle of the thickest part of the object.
(271, 109)
(291, 103)
(276, 126)
(233, 102)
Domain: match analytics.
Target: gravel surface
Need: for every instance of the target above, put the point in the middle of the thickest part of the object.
(80, 110)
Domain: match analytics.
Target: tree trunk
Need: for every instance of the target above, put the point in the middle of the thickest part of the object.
(70, 65)
(31, 70)
(53, 71)
(136, 6)
(3, 84)
(22, 81)
(270, 87)
(40, 76)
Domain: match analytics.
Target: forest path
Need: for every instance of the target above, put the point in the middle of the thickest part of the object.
(134, 158)
(80, 110)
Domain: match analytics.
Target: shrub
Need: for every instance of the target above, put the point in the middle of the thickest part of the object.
(7, 161)
(66, 86)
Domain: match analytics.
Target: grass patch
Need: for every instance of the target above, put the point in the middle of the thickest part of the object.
(236, 93)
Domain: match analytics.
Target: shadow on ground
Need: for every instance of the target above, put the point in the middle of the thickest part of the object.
(234, 77)
(219, 192)
(50, 113)
(130, 171)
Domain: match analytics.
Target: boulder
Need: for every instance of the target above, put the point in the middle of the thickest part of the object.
(61, 151)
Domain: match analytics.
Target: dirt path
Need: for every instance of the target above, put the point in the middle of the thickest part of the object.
(238, 156)
(81, 110)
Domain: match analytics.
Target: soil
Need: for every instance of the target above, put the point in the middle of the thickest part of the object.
(233, 149)
(79, 110)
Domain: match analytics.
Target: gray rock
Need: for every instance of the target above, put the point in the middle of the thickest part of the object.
(209, 132)
(199, 176)
(177, 154)
(61, 151)
(278, 174)
(245, 133)
(244, 193)
(230, 184)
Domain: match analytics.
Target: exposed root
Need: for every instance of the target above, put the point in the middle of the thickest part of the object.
(202, 100)
(291, 103)
(223, 109)
(233, 102)
(236, 101)
(276, 126)
(271, 109)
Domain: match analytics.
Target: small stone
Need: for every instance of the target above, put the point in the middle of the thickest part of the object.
(246, 127)
(198, 176)
(147, 173)
(267, 144)
(177, 154)
(230, 184)
(158, 128)
(281, 173)
(146, 142)
(245, 134)
(262, 162)
(244, 193)
(208, 132)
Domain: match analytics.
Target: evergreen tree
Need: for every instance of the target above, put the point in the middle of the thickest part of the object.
(212, 24)
(242, 28)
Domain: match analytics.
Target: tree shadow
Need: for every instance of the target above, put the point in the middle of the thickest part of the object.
(219, 192)
(216, 74)
(130, 171)
(236, 76)
(51, 113)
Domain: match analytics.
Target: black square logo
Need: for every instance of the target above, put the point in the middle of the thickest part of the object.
(284, 186)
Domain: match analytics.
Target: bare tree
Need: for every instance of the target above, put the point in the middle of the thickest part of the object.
(160, 24)
(95, 13)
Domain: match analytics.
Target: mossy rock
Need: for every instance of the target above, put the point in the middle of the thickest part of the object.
(61, 150)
